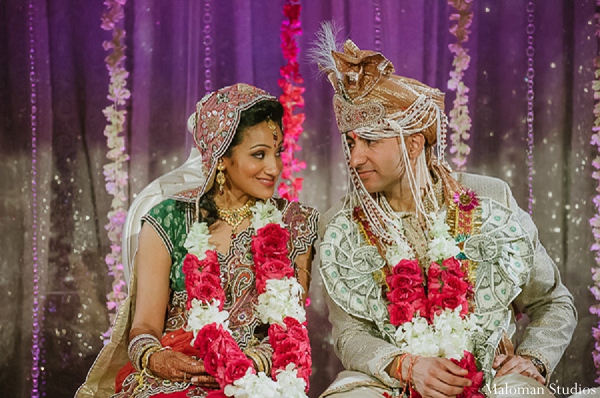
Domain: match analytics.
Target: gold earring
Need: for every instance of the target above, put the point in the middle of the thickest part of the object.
(220, 176)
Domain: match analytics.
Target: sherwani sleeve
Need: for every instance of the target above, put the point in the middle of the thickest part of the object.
(546, 301)
(360, 346)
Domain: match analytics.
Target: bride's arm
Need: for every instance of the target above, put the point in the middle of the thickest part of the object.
(303, 269)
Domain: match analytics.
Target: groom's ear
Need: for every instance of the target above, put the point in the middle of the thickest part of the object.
(414, 145)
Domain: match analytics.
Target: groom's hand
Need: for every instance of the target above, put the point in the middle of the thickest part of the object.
(506, 364)
(433, 377)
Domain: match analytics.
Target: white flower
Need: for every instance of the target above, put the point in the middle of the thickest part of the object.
(196, 242)
(448, 336)
(439, 229)
(289, 384)
(202, 314)
(419, 338)
(280, 299)
(265, 213)
(253, 386)
(442, 248)
(398, 252)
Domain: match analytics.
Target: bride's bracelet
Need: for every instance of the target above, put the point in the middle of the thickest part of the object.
(140, 348)
(261, 355)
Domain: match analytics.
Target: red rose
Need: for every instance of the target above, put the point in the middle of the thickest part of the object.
(452, 266)
(408, 294)
(442, 301)
(295, 329)
(280, 361)
(434, 286)
(236, 368)
(206, 336)
(407, 267)
(272, 269)
(191, 267)
(295, 333)
(206, 292)
(400, 313)
(400, 281)
(421, 306)
(210, 279)
(220, 353)
(434, 271)
(290, 344)
(210, 263)
(453, 285)
(213, 364)
(229, 347)
(287, 345)
(270, 241)
(476, 377)
(276, 332)
(464, 310)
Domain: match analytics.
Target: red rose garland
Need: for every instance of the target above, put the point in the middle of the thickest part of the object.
(437, 302)
(222, 357)
(446, 289)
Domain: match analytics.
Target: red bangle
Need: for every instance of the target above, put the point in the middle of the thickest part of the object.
(399, 367)
(413, 360)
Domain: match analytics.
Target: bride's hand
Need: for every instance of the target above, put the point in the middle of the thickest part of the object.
(175, 366)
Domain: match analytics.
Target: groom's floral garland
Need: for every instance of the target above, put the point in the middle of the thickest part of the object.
(433, 319)
(278, 304)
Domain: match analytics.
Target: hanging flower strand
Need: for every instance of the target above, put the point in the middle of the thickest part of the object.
(595, 220)
(291, 84)
(459, 119)
(115, 175)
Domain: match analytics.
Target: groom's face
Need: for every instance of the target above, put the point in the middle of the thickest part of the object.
(377, 162)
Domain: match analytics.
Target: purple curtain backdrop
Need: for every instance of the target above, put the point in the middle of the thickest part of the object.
(165, 57)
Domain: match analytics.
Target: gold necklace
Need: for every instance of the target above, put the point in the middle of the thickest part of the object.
(234, 217)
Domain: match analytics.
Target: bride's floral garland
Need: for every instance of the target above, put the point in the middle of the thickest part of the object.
(278, 304)
(434, 321)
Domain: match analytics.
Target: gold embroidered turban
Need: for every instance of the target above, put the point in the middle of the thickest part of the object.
(368, 92)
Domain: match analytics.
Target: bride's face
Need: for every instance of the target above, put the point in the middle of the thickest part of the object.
(255, 164)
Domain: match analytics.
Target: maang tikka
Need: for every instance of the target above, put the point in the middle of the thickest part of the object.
(220, 176)
(273, 128)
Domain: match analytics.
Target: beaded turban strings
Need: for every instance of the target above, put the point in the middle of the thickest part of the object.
(374, 103)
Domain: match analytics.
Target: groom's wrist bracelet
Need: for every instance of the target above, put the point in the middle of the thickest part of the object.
(399, 367)
(539, 365)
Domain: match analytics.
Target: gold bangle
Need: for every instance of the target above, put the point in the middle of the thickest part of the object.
(305, 270)
(146, 356)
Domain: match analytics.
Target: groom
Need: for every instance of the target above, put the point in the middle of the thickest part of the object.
(424, 269)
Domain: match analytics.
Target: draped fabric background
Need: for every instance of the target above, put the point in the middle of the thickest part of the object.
(165, 57)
